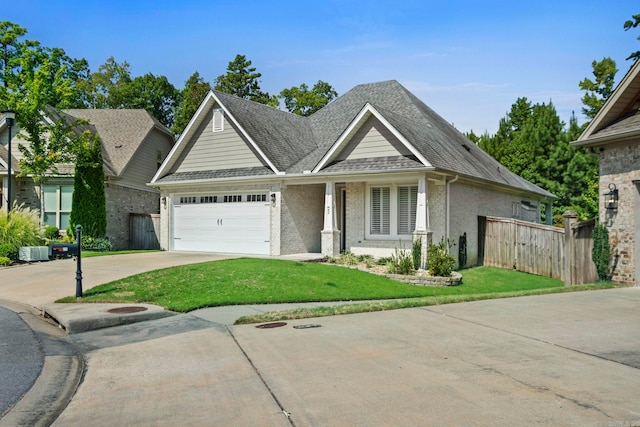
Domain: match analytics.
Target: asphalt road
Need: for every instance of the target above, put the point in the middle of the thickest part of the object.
(21, 358)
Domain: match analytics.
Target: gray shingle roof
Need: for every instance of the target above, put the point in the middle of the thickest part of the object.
(121, 132)
(295, 144)
(216, 174)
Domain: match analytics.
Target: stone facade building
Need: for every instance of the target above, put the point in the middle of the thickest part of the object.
(614, 136)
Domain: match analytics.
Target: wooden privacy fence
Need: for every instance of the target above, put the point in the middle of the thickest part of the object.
(144, 231)
(563, 254)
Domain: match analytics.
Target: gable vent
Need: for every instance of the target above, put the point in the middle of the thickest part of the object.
(218, 120)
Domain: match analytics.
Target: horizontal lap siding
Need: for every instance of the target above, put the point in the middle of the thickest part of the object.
(373, 139)
(217, 150)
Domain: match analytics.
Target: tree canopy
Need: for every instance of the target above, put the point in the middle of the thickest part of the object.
(241, 80)
(304, 102)
(598, 90)
(194, 92)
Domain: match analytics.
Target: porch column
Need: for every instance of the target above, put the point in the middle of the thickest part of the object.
(330, 232)
(422, 231)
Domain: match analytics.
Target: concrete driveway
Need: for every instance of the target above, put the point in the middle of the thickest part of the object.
(41, 283)
(566, 359)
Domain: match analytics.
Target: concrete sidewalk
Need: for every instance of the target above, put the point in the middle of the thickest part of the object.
(566, 359)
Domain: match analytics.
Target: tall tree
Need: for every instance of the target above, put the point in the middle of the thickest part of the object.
(598, 90)
(633, 23)
(194, 91)
(304, 102)
(88, 204)
(112, 86)
(241, 80)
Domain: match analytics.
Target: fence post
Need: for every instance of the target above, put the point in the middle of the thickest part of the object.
(570, 218)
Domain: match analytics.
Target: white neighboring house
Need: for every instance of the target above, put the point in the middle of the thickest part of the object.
(367, 173)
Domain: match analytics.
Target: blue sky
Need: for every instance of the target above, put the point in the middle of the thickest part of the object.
(467, 60)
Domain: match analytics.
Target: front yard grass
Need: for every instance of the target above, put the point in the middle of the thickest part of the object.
(262, 281)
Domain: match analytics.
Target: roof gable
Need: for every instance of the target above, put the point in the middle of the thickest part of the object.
(368, 112)
(619, 117)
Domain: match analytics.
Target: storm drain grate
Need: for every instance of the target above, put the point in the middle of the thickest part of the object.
(124, 310)
(271, 325)
(311, 325)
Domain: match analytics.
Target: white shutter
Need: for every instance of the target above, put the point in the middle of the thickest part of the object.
(380, 210)
(407, 200)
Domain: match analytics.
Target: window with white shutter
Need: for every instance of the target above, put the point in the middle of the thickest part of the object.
(380, 210)
(407, 200)
(391, 211)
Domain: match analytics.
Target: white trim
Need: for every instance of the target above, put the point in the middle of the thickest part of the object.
(367, 111)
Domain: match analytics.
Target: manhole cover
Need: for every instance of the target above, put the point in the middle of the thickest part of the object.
(271, 325)
(124, 310)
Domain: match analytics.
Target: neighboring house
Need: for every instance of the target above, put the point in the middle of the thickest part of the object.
(134, 144)
(614, 136)
(367, 173)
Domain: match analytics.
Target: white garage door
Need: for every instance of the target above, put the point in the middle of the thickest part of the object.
(237, 223)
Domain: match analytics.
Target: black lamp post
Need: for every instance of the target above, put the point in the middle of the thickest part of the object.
(9, 119)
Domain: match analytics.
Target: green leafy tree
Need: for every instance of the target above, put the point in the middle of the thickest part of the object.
(112, 86)
(633, 23)
(304, 102)
(241, 80)
(194, 91)
(88, 205)
(598, 90)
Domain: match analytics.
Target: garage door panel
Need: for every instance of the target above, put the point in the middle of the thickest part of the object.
(222, 227)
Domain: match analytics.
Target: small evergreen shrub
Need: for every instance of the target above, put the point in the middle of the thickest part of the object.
(440, 262)
(401, 263)
(52, 232)
(416, 253)
(4, 261)
(9, 251)
(92, 244)
(601, 253)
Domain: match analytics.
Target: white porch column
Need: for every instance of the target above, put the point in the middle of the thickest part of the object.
(423, 228)
(330, 233)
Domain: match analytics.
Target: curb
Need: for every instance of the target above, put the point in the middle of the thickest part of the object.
(59, 379)
(77, 318)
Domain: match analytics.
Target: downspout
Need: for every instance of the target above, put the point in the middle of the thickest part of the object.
(449, 208)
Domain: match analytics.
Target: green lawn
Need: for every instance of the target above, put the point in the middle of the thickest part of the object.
(256, 281)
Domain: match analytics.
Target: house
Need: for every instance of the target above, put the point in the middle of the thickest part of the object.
(134, 144)
(614, 136)
(367, 173)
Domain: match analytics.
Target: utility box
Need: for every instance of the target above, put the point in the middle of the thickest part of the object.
(33, 253)
(63, 250)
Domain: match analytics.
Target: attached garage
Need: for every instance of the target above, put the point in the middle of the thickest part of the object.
(226, 223)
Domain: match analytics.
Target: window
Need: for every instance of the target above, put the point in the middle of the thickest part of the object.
(57, 205)
(380, 210)
(392, 211)
(218, 120)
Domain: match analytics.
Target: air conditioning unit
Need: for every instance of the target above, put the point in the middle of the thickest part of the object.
(33, 253)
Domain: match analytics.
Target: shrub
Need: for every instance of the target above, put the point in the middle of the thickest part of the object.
(22, 228)
(383, 260)
(4, 261)
(416, 253)
(9, 251)
(601, 252)
(92, 244)
(347, 258)
(401, 262)
(440, 262)
(52, 232)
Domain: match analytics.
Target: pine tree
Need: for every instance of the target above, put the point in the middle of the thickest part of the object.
(241, 80)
